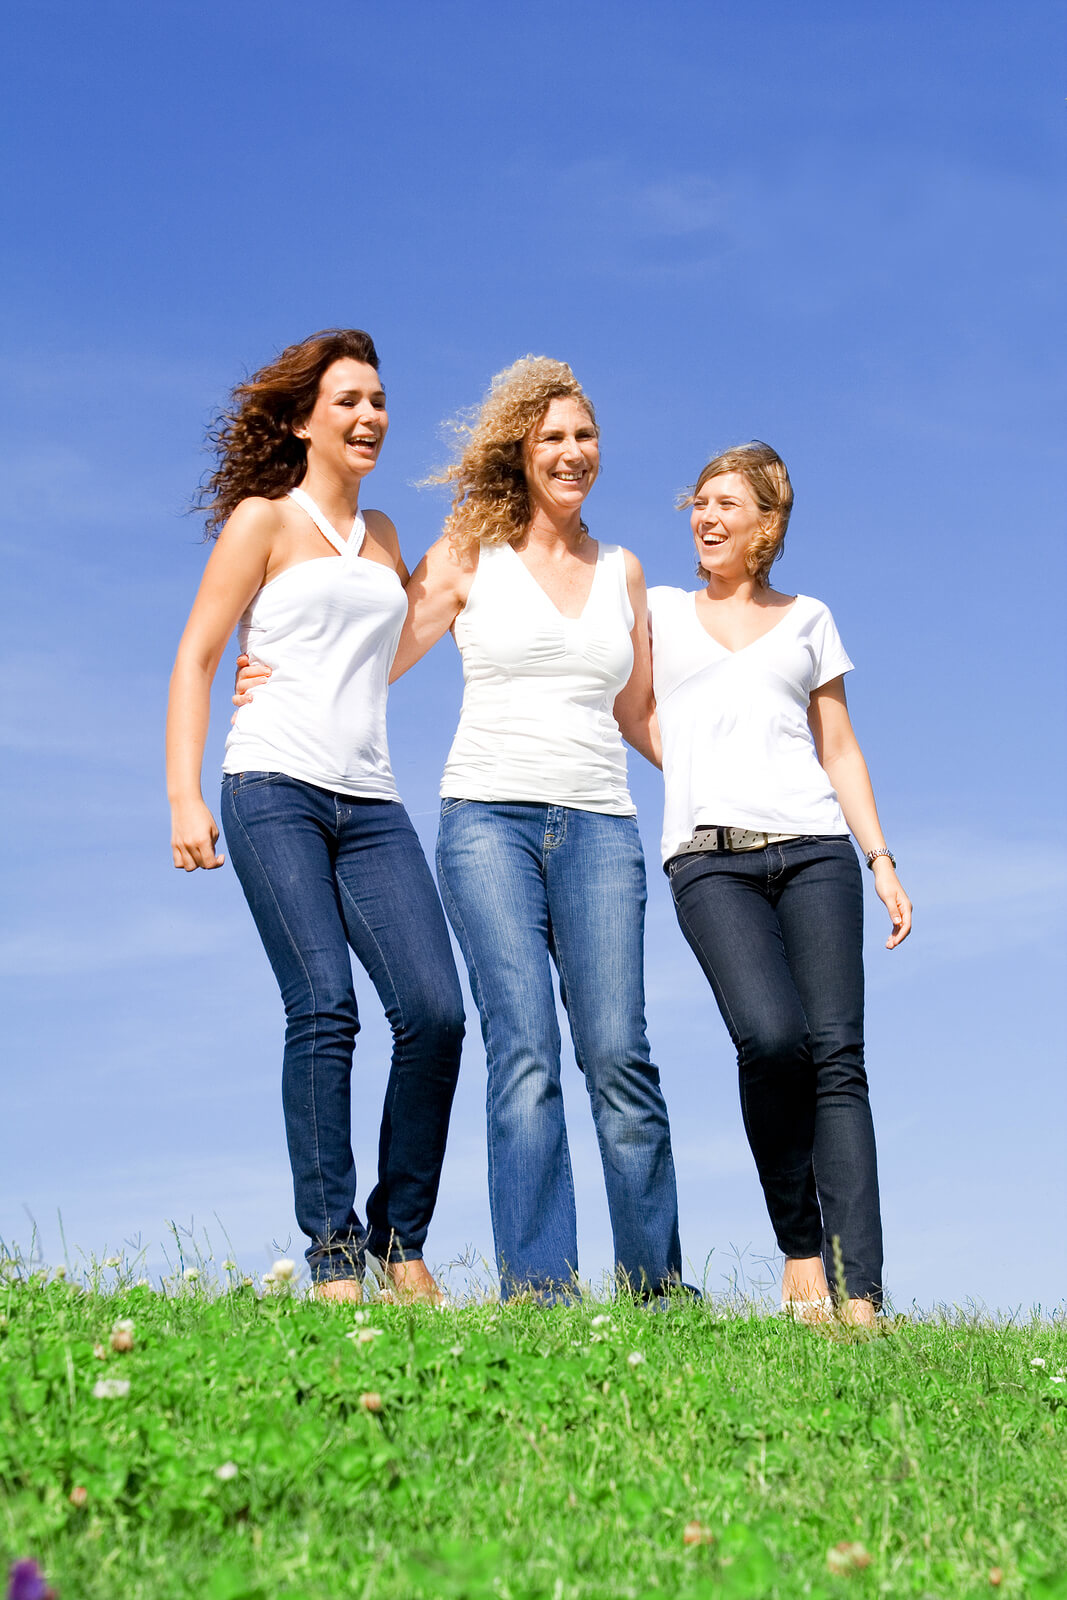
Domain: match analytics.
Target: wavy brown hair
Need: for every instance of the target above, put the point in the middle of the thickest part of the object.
(253, 439)
(490, 499)
(765, 473)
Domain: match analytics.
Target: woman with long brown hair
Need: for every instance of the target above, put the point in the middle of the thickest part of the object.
(320, 841)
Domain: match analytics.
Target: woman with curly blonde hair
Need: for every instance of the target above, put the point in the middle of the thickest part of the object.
(539, 859)
(764, 779)
(317, 834)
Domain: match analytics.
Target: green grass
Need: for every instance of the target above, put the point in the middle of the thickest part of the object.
(521, 1452)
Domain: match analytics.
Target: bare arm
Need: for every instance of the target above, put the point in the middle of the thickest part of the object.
(437, 592)
(635, 705)
(842, 760)
(234, 572)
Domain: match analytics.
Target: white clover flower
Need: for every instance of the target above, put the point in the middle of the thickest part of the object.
(113, 1261)
(456, 1350)
(111, 1388)
(191, 1274)
(229, 1266)
(635, 1358)
(1038, 1361)
(246, 1283)
(283, 1270)
(360, 1316)
(1059, 1378)
(144, 1283)
(227, 1471)
(366, 1335)
(602, 1321)
(59, 1272)
(269, 1279)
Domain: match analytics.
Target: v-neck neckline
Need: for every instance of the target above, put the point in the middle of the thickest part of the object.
(544, 592)
(725, 648)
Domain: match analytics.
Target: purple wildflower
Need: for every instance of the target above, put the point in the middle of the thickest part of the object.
(27, 1583)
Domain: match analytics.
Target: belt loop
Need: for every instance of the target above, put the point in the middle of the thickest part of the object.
(720, 838)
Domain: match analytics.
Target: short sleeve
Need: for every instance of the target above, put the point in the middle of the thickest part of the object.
(829, 657)
(669, 661)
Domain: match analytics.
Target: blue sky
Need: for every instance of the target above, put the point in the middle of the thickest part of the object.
(829, 226)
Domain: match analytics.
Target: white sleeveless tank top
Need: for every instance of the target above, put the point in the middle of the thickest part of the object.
(537, 722)
(328, 629)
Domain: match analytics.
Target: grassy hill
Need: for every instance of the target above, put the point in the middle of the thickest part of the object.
(248, 1447)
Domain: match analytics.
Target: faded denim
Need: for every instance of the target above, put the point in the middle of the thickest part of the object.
(525, 886)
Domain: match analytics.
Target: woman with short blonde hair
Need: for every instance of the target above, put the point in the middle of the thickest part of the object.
(764, 779)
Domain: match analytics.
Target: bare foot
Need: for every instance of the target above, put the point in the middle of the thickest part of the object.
(805, 1290)
(413, 1283)
(339, 1289)
(858, 1313)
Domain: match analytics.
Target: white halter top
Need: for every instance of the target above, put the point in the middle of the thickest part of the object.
(328, 628)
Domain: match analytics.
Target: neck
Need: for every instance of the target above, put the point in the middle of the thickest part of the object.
(336, 496)
(742, 591)
(556, 528)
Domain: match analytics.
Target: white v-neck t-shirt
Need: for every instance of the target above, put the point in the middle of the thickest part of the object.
(737, 749)
(537, 723)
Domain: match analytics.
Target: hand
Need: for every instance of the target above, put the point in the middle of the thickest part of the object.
(192, 837)
(891, 893)
(249, 675)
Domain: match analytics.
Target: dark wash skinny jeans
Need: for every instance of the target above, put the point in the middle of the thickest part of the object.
(322, 872)
(779, 933)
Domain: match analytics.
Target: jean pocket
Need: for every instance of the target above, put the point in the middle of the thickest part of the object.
(251, 780)
(448, 806)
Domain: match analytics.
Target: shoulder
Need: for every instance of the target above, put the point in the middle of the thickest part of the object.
(256, 515)
(663, 597)
(813, 613)
(381, 528)
(442, 556)
(632, 570)
(380, 525)
(253, 525)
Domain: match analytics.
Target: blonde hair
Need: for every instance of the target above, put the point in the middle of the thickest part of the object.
(490, 500)
(765, 473)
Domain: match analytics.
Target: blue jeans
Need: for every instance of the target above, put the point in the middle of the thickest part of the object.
(523, 884)
(779, 934)
(321, 872)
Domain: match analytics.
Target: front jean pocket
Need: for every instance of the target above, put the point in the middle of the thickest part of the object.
(448, 806)
(252, 780)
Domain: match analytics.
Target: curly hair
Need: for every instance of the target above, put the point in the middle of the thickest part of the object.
(765, 473)
(491, 501)
(257, 451)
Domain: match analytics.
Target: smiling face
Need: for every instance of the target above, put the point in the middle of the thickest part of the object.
(561, 457)
(725, 519)
(345, 428)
